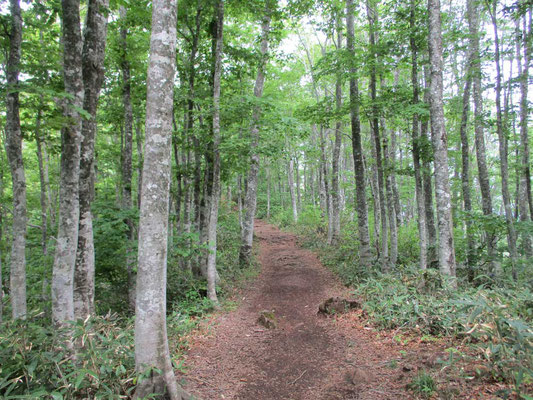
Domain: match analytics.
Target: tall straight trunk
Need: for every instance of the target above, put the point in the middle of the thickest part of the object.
(1, 253)
(419, 190)
(17, 275)
(323, 173)
(71, 136)
(139, 140)
(268, 191)
(239, 199)
(432, 256)
(151, 343)
(93, 74)
(250, 202)
(294, 201)
(359, 169)
(446, 249)
(373, 184)
(335, 190)
(195, 37)
(503, 145)
(43, 199)
(395, 192)
(215, 192)
(127, 154)
(393, 228)
(465, 173)
(525, 168)
(298, 177)
(376, 135)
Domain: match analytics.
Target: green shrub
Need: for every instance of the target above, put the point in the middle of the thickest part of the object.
(34, 362)
(423, 384)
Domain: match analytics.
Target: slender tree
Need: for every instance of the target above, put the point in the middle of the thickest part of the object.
(503, 143)
(17, 279)
(250, 202)
(67, 236)
(525, 169)
(376, 134)
(127, 150)
(362, 210)
(479, 135)
(419, 189)
(215, 192)
(94, 41)
(446, 249)
(335, 187)
(151, 343)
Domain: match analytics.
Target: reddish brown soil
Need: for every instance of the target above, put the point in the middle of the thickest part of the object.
(307, 356)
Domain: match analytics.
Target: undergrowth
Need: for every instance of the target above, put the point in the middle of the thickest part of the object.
(35, 364)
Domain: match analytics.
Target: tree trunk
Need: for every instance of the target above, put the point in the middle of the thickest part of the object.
(503, 146)
(215, 192)
(17, 275)
(431, 230)
(151, 343)
(465, 173)
(69, 210)
(94, 42)
(446, 249)
(290, 177)
(42, 182)
(251, 191)
(419, 190)
(393, 228)
(1, 253)
(384, 249)
(335, 190)
(396, 193)
(268, 191)
(362, 210)
(525, 169)
(127, 155)
(139, 140)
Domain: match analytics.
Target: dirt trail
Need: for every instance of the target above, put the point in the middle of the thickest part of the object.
(306, 356)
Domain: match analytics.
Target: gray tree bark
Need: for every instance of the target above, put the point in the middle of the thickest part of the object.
(503, 145)
(17, 276)
(215, 192)
(335, 190)
(446, 249)
(151, 343)
(525, 168)
(127, 154)
(250, 202)
(419, 189)
(359, 169)
(465, 172)
(43, 198)
(432, 256)
(1, 237)
(67, 236)
(376, 135)
(93, 74)
(290, 178)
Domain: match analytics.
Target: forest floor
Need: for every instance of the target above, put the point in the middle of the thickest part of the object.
(306, 355)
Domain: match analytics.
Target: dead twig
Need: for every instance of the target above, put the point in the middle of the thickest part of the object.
(297, 379)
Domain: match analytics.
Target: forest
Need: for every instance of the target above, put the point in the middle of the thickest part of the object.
(266, 199)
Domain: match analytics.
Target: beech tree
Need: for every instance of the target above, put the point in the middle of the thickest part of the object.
(69, 210)
(94, 40)
(151, 343)
(446, 249)
(14, 154)
(250, 202)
